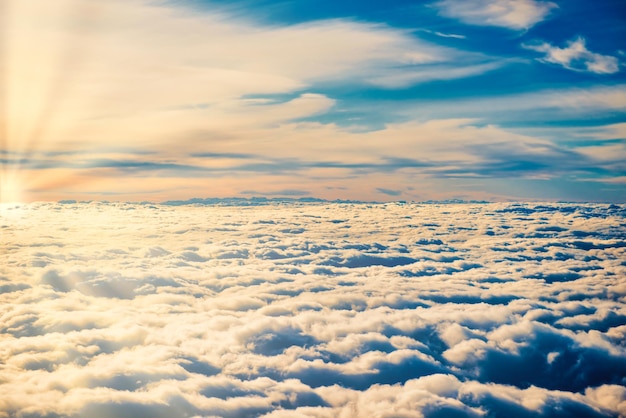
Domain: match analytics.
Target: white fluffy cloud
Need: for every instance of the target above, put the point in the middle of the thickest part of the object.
(511, 14)
(276, 309)
(575, 56)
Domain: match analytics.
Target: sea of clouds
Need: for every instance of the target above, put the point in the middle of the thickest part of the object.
(292, 309)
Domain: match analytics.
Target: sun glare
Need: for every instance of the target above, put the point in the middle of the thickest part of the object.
(10, 188)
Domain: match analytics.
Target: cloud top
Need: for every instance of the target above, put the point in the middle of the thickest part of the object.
(296, 308)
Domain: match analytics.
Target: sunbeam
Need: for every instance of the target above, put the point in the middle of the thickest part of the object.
(43, 48)
(80, 19)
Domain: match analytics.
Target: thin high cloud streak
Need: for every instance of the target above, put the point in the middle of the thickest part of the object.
(274, 309)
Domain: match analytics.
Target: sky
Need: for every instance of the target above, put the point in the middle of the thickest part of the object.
(301, 310)
(139, 100)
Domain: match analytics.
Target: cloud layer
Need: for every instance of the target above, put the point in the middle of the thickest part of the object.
(312, 309)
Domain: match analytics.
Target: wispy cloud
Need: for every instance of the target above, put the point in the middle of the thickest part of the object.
(405, 77)
(575, 56)
(133, 71)
(328, 154)
(389, 192)
(573, 103)
(511, 14)
(285, 192)
(449, 35)
(443, 34)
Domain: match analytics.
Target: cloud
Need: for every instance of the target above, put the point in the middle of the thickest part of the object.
(233, 102)
(438, 148)
(389, 192)
(286, 192)
(227, 83)
(449, 35)
(435, 149)
(443, 35)
(292, 308)
(611, 396)
(575, 56)
(406, 77)
(566, 104)
(102, 72)
(510, 14)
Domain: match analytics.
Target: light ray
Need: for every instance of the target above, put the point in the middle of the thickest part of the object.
(38, 72)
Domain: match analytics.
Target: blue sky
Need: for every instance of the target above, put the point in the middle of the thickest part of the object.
(140, 100)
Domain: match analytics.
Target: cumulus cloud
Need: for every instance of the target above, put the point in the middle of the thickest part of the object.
(575, 56)
(511, 14)
(277, 308)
